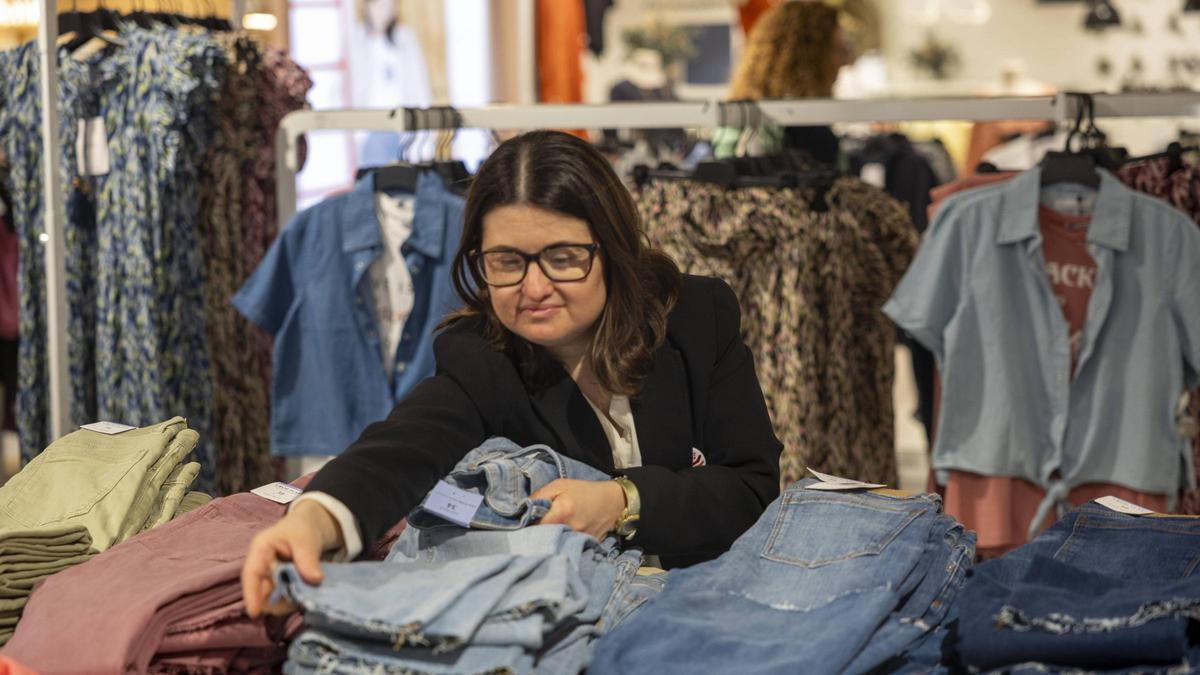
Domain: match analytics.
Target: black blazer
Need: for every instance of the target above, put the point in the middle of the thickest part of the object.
(702, 393)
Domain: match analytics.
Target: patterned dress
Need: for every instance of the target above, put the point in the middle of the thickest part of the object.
(811, 282)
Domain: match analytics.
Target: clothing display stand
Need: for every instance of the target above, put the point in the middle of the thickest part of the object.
(54, 215)
(704, 114)
(712, 114)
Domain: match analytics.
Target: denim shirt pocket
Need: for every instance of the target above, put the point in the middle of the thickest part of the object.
(813, 530)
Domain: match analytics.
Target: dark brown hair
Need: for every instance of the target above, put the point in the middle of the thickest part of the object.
(559, 172)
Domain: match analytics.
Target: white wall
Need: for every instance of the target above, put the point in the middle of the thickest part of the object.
(1049, 39)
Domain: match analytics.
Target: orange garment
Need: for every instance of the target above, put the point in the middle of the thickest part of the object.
(940, 193)
(1000, 508)
(561, 39)
(10, 667)
(749, 12)
(1071, 269)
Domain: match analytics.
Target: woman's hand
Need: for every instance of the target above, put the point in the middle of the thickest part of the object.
(301, 537)
(586, 506)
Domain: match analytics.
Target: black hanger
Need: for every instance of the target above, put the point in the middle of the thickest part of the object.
(1074, 167)
(88, 25)
(1174, 152)
(401, 175)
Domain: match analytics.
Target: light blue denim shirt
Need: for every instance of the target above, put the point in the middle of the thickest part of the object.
(312, 292)
(978, 296)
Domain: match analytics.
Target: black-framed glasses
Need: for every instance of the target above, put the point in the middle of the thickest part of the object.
(560, 262)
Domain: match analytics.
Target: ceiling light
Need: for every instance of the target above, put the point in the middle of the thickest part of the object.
(18, 13)
(259, 21)
(1101, 15)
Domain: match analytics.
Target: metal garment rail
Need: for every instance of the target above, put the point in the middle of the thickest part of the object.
(710, 114)
(54, 215)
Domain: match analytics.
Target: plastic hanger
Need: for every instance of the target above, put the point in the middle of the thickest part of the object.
(1074, 167)
(402, 175)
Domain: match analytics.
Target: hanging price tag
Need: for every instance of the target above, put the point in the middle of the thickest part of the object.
(91, 147)
(455, 505)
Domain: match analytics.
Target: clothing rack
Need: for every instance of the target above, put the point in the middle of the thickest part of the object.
(54, 215)
(707, 114)
(710, 114)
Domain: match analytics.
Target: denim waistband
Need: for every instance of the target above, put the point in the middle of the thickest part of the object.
(506, 474)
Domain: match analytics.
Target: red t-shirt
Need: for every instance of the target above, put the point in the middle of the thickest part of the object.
(1071, 269)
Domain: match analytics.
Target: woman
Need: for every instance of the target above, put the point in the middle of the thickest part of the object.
(575, 334)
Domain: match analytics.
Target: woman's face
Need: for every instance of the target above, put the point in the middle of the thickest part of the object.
(557, 315)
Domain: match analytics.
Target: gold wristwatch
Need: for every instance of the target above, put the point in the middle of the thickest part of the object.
(628, 521)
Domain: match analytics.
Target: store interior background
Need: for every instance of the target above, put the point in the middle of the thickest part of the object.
(475, 52)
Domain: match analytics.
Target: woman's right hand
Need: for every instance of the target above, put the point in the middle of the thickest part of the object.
(301, 536)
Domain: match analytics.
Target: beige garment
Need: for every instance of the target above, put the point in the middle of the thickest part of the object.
(171, 495)
(191, 502)
(102, 482)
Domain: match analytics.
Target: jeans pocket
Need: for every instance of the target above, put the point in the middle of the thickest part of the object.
(1117, 546)
(814, 530)
(83, 476)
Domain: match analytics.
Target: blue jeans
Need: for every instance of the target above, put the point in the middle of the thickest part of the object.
(1099, 589)
(506, 474)
(806, 589)
(504, 594)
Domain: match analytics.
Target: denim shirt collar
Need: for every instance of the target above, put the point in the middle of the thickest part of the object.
(360, 223)
(1110, 216)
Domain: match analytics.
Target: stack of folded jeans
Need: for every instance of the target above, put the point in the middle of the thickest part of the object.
(824, 582)
(84, 493)
(1097, 590)
(504, 595)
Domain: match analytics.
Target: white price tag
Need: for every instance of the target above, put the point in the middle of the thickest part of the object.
(91, 147)
(281, 493)
(1121, 506)
(110, 428)
(455, 505)
(829, 482)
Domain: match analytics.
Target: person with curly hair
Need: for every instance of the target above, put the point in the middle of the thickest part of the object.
(795, 50)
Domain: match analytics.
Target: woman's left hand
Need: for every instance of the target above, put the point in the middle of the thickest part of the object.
(583, 505)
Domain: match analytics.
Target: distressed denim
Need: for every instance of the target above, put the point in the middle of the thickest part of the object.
(504, 595)
(1099, 589)
(506, 474)
(322, 652)
(806, 589)
(942, 572)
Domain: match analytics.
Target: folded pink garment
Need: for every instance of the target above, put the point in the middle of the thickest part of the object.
(170, 597)
(250, 660)
(111, 614)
